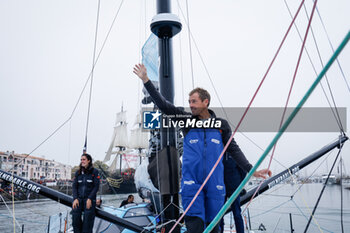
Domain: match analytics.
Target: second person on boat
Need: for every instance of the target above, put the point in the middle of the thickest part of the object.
(85, 187)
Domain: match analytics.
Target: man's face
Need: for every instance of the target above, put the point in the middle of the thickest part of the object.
(98, 202)
(131, 199)
(196, 104)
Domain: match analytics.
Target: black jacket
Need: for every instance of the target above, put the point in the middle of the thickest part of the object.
(125, 202)
(233, 174)
(85, 185)
(169, 109)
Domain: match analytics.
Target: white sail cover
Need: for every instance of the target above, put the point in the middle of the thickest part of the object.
(138, 139)
(138, 120)
(121, 117)
(110, 149)
(142, 178)
(121, 136)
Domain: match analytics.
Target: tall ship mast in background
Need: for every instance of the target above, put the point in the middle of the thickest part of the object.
(125, 154)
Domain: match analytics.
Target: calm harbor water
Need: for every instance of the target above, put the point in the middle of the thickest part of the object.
(271, 209)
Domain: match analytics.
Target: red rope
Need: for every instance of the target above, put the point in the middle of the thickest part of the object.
(244, 114)
(289, 94)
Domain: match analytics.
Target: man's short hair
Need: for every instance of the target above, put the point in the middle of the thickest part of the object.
(130, 196)
(203, 94)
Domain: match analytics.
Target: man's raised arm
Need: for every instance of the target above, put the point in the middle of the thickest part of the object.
(165, 106)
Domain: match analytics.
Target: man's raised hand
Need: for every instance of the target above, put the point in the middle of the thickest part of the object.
(141, 71)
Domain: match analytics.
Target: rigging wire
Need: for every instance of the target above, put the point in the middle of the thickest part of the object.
(13, 202)
(202, 60)
(271, 209)
(27, 208)
(298, 189)
(181, 66)
(157, 147)
(279, 219)
(26, 220)
(145, 28)
(314, 70)
(189, 41)
(159, 215)
(138, 105)
(302, 184)
(182, 74)
(331, 45)
(277, 137)
(291, 198)
(313, 66)
(275, 195)
(220, 99)
(81, 93)
(69, 149)
(139, 58)
(341, 194)
(283, 212)
(239, 123)
(308, 208)
(324, 186)
(289, 94)
(13, 217)
(217, 94)
(329, 87)
(92, 77)
(316, 223)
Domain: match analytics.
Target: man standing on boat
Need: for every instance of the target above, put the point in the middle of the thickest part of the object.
(85, 187)
(201, 149)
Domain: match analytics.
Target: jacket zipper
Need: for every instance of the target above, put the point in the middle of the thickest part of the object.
(84, 185)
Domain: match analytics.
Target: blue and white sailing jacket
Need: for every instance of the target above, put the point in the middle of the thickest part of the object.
(201, 149)
(225, 130)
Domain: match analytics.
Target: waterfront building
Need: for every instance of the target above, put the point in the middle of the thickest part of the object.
(34, 168)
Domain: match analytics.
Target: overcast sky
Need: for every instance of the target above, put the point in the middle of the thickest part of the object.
(46, 53)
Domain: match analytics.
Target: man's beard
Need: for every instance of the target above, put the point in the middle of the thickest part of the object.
(194, 111)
